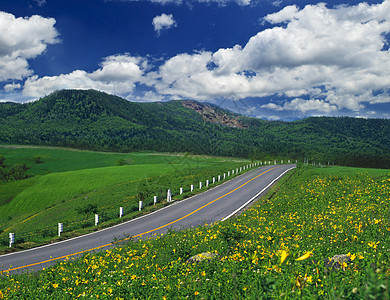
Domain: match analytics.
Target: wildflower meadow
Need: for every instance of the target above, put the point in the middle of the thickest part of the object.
(320, 233)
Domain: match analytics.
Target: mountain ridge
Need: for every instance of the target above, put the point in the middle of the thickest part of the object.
(88, 119)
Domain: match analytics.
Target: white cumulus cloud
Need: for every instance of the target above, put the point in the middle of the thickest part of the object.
(332, 56)
(118, 75)
(22, 39)
(303, 105)
(163, 21)
(318, 59)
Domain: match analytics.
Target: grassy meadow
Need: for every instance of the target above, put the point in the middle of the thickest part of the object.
(71, 186)
(283, 247)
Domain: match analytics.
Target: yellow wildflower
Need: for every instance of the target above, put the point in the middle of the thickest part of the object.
(305, 256)
(283, 256)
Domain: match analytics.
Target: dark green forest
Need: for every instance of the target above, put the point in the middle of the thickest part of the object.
(97, 121)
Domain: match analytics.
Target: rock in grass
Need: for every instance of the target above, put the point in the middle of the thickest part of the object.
(202, 257)
(337, 261)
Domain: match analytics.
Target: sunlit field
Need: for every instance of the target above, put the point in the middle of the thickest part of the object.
(78, 184)
(283, 247)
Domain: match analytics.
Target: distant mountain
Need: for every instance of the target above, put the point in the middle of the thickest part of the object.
(98, 121)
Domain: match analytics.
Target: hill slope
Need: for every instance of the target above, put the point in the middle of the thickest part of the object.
(98, 121)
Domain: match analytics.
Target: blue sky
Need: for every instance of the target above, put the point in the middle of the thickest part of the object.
(277, 60)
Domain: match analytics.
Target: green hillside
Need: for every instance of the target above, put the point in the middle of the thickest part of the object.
(322, 235)
(70, 186)
(97, 121)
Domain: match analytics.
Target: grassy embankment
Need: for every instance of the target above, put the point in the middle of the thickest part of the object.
(71, 186)
(280, 248)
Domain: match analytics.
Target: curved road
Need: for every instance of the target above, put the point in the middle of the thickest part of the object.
(211, 206)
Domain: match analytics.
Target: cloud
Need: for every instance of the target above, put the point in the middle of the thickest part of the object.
(118, 75)
(163, 21)
(22, 39)
(12, 87)
(303, 105)
(317, 59)
(40, 2)
(333, 57)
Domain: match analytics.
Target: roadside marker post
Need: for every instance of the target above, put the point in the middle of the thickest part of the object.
(181, 190)
(200, 185)
(60, 228)
(140, 205)
(120, 212)
(155, 200)
(11, 239)
(169, 196)
(213, 179)
(224, 175)
(219, 177)
(96, 219)
(207, 182)
(192, 187)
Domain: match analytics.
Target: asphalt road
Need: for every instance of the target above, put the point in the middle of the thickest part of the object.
(211, 206)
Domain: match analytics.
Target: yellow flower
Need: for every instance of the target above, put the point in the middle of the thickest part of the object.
(305, 256)
(196, 293)
(1, 295)
(351, 256)
(309, 279)
(203, 273)
(373, 244)
(55, 285)
(283, 256)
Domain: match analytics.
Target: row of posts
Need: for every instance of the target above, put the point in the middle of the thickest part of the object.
(169, 196)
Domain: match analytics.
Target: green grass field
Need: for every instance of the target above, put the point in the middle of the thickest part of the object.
(280, 248)
(80, 180)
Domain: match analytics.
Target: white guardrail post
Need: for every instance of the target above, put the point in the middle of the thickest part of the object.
(11, 239)
(60, 228)
(155, 200)
(120, 212)
(169, 196)
(96, 219)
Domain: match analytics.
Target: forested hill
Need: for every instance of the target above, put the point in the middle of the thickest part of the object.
(98, 121)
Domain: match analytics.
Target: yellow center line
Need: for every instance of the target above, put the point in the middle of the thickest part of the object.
(141, 234)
